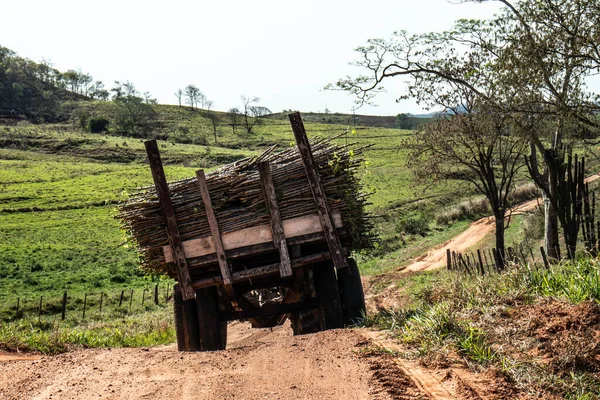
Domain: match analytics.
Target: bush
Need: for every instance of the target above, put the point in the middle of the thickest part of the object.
(98, 125)
(413, 226)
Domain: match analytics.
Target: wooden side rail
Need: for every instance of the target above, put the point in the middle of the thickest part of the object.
(254, 235)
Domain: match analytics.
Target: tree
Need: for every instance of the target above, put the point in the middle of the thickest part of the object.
(252, 112)
(97, 91)
(133, 116)
(537, 55)
(234, 116)
(193, 95)
(478, 146)
(214, 118)
(179, 95)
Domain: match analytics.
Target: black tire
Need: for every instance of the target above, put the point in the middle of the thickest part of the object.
(212, 331)
(328, 293)
(305, 321)
(351, 291)
(186, 322)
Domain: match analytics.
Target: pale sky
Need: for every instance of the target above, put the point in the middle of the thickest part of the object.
(283, 53)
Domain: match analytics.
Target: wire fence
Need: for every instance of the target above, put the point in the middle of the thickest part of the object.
(88, 305)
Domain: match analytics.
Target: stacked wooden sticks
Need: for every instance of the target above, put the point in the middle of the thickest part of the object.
(237, 199)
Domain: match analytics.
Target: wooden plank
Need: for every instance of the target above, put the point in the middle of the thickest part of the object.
(331, 236)
(266, 181)
(162, 190)
(214, 229)
(255, 250)
(246, 275)
(292, 227)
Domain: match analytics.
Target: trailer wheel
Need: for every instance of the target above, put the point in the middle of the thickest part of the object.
(351, 291)
(328, 293)
(212, 331)
(305, 321)
(186, 322)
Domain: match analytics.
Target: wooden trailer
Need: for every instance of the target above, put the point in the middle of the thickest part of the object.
(296, 268)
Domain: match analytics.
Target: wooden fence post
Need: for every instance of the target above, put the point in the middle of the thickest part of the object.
(18, 304)
(156, 294)
(130, 299)
(84, 305)
(64, 306)
(448, 260)
(121, 298)
(101, 299)
(40, 311)
(544, 257)
(480, 262)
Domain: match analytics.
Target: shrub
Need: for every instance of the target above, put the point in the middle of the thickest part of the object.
(98, 125)
(414, 226)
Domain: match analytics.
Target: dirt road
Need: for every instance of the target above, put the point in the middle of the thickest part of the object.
(258, 364)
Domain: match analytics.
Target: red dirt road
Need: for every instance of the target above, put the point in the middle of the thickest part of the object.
(258, 364)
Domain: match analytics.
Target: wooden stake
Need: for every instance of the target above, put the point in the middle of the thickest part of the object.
(121, 298)
(156, 294)
(268, 188)
(480, 262)
(448, 260)
(216, 234)
(544, 257)
(64, 306)
(40, 311)
(162, 191)
(101, 299)
(130, 299)
(331, 236)
(84, 305)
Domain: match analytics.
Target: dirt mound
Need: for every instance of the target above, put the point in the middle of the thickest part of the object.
(567, 335)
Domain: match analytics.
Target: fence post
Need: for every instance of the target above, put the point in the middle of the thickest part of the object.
(101, 299)
(40, 312)
(544, 257)
(143, 296)
(156, 294)
(64, 306)
(121, 298)
(18, 304)
(448, 260)
(480, 262)
(84, 305)
(167, 296)
(130, 299)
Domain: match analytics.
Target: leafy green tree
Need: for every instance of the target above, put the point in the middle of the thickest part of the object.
(535, 54)
(193, 95)
(133, 116)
